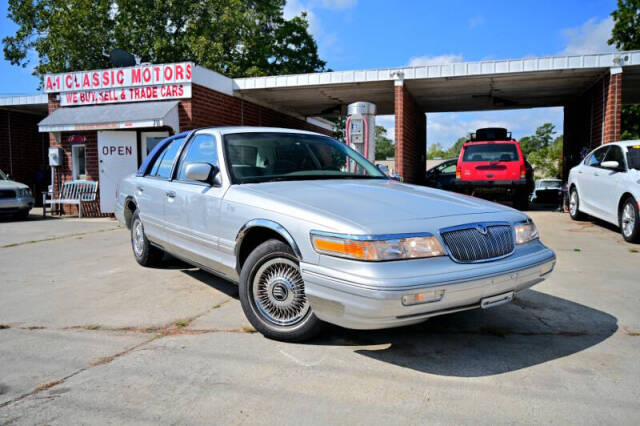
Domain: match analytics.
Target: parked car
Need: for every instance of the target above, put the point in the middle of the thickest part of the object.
(312, 232)
(15, 198)
(547, 191)
(492, 163)
(442, 176)
(606, 185)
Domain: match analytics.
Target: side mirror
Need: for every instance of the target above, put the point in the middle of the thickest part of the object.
(201, 172)
(610, 165)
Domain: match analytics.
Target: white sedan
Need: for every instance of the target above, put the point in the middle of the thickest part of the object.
(606, 184)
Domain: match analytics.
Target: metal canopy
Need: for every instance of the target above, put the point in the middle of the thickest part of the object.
(114, 116)
(467, 86)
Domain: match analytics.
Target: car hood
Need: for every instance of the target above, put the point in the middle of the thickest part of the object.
(10, 184)
(362, 202)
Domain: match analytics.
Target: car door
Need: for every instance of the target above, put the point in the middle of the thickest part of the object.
(608, 185)
(448, 175)
(588, 187)
(151, 192)
(193, 208)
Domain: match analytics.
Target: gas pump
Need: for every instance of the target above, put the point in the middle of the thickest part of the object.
(361, 128)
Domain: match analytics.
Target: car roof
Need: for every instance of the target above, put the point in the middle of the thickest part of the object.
(225, 130)
(489, 142)
(627, 143)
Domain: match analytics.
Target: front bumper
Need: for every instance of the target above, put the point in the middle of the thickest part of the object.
(362, 304)
(15, 205)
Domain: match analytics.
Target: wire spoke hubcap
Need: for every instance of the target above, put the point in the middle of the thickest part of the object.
(278, 292)
(628, 220)
(138, 238)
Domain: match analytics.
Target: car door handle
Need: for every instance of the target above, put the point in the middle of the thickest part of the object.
(141, 189)
(596, 174)
(171, 194)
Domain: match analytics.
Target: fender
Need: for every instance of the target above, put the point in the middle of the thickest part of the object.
(265, 223)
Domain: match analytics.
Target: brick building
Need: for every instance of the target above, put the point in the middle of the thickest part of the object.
(106, 128)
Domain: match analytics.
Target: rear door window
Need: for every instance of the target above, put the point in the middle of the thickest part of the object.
(491, 152)
(164, 163)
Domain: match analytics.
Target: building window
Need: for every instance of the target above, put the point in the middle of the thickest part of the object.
(79, 162)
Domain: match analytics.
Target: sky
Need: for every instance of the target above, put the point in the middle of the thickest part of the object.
(361, 34)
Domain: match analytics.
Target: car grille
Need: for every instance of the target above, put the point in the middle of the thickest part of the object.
(7, 193)
(479, 242)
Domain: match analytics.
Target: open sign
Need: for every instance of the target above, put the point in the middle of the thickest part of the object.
(117, 150)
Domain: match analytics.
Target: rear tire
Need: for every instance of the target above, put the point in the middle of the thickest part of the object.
(145, 253)
(272, 294)
(574, 205)
(629, 221)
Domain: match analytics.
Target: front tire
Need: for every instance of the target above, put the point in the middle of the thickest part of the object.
(574, 205)
(272, 294)
(630, 221)
(145, 253)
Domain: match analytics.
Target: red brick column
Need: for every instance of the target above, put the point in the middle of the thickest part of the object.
(410, 135)
(613, 104)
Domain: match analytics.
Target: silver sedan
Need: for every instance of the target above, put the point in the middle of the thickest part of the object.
(312, 232)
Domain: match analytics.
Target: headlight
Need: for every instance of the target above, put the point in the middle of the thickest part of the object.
(24, 192)
(377, 247)
(525, 232)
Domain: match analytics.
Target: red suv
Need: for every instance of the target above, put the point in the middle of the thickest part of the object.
(492, 164)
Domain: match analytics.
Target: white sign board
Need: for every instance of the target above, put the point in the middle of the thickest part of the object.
(117, 158)
(132, 84)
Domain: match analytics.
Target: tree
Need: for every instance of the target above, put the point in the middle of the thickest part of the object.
(435, 151)
(384, 147)
(233, 37)
(626, 36)
(454, 151)
(542, 138)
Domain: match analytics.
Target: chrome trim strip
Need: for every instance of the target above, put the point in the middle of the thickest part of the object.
(473, 226)
(379, 237)
(265, 223)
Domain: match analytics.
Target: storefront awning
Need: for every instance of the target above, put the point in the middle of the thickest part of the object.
(101, 117)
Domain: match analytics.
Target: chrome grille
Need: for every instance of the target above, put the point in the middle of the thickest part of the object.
(479, 242)
(7, 193)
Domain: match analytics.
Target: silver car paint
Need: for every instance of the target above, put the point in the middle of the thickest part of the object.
(18, 202)
(202, 224)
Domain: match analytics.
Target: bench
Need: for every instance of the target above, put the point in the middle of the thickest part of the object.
(76, 192)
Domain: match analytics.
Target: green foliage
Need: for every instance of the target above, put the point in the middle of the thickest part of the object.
(630, 122)
(626, 36)
(547, 160)
(626, 29)
(339, 126)
(435, 150)
(541, 139)
(384, 147)
(233, 37)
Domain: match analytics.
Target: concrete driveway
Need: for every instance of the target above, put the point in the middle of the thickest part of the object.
(88, 336)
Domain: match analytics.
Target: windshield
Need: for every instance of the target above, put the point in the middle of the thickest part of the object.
(549, 184)
(267, 157)
(633, 157)
(491, 152)
(3, 176)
